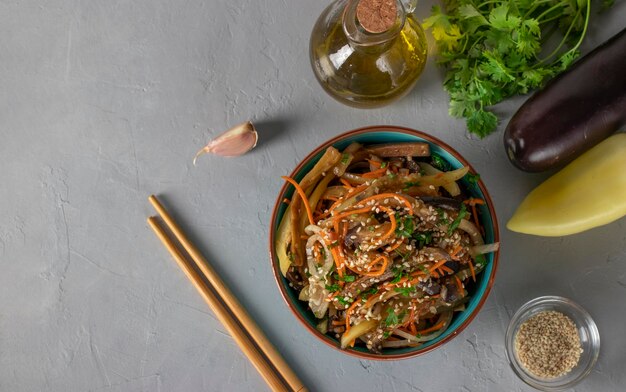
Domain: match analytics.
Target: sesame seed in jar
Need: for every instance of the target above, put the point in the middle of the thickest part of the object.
(548, 344)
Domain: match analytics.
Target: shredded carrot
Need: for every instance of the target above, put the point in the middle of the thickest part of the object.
(446, 269)
(459, 284)
(455, 252)
(413, 328)
(352, 212)
(431, 329)
(337, 322)
(392, 219)
(350, 309)
(305, 200)
(339, 262)
(382, 268)
(394, 246)
(398, 283)
(471, 266)
(346, 183)
(406, 202)
(437, 265)
(474, 201)
(373, 297)
(375, 173)
(372, 162)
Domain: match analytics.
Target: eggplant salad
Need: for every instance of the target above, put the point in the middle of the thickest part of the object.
(381, 241)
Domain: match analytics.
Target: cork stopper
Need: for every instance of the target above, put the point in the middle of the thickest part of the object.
(376, 16)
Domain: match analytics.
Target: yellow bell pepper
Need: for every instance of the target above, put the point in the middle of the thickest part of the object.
(589, 192)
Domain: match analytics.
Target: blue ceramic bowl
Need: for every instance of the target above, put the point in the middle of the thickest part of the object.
(478, 293)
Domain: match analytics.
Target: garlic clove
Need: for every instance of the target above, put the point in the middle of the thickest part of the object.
(236, 141)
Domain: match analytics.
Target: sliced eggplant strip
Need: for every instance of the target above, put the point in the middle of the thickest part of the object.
(400, 150)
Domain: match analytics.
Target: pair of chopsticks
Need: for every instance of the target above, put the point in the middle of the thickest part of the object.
(228, 310)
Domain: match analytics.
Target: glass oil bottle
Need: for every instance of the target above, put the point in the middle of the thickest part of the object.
(368, 53)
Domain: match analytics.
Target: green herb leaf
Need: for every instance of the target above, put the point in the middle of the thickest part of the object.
(472, 178)
(344, 301)
(409, 184)
(392, 318)
(423, 239)
(371, 291)
(494, 50)
(480, 261)
(332, 288)
(457, 221)
(440, 163)
(406, 291)
(406, 227)
(482, 123)
(345, 278)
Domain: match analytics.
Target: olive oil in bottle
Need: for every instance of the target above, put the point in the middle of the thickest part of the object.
(368, 53)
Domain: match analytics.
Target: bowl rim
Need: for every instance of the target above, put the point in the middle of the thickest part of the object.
(278, 276)
(555, 302)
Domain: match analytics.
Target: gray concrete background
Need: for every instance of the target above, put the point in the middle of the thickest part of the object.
(105, 102)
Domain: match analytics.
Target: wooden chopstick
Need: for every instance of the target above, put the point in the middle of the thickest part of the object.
(228, 310)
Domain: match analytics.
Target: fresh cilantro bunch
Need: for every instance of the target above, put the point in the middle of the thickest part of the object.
(495, 49)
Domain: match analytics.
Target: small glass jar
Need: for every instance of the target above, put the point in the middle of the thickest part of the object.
(362, 68)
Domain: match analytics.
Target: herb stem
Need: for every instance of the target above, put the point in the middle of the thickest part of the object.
(536, 4)
(584, 32)
(569, 30)
(554, 7)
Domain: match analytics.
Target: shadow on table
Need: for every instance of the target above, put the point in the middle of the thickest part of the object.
(271, 129)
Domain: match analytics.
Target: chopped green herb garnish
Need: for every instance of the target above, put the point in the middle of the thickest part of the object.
(345, 158)
(392, 176)
(480, 261)
(371, 228)
(472, 178)
(392, 318)
(344, 301)
(403, 255)
(333, 287)
(409, 184)
(442, 216)
(335, 243)
(406, 291)
(386, 334)
(440, 163)
(462, 214)
(383, 165)
(406, 227)
(423, 239)
(398, 274)
(371, 291)
(345, 278)
(419, 335)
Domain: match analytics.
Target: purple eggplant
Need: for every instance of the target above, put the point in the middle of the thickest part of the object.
(573, 112)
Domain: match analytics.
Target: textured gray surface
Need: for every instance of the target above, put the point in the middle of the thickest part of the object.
(105, 102)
